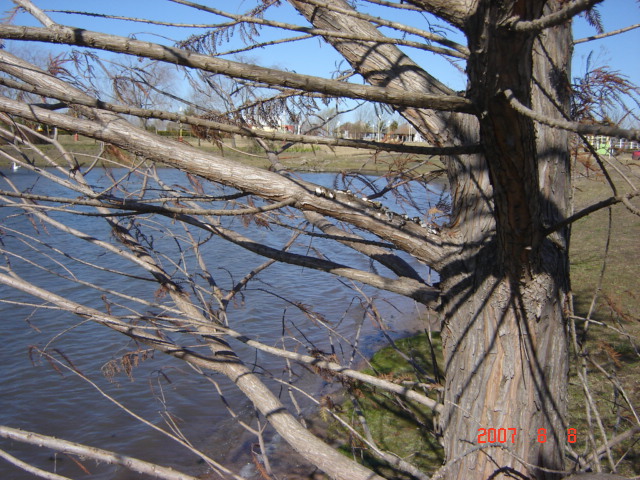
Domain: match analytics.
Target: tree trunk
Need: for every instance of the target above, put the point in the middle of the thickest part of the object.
(505, 367)
(505, 295)
(504, 283)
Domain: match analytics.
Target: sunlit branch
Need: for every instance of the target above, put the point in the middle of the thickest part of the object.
(600, 160)
(410, 285)
(338, 369)
(133, 19)
(309, 32)
(227, 362)
(36, 12)
(73, 278)
(260, 45)
(402, 6)
(17, 155)
(270, 76)
(571, 126)
(622, 390)
(223, 361)
(285, 93)
(27, 467)
(175, 436)
(607, 34)
(137, 206)
(265, 184)
(386, 456)
(136, 259)
(339, 237)
(99, 454)
(387, 23)
(612, 442)
(389, 260)
(405, 286)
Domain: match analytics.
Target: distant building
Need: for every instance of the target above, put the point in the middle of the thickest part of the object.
(404, 133)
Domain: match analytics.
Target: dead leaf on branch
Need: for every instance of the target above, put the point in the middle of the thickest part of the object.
(126, 363)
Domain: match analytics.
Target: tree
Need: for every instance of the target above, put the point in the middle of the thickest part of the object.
(504, 292)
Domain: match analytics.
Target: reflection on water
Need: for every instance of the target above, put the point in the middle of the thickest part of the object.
(34, 396)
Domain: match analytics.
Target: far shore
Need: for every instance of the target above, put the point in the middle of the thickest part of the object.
(309, 158)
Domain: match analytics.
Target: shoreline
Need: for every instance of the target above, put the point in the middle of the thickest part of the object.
(313, 159)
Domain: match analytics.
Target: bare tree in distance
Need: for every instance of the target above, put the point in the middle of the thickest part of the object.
(504, 296)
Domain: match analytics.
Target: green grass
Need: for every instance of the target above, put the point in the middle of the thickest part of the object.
(397, 425)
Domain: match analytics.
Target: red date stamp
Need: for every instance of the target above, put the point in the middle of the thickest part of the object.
(508, 435)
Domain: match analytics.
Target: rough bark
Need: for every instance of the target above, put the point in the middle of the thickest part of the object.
(454, 12)
(504, 333)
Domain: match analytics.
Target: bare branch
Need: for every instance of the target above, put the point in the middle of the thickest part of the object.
(456, 12)
(339, 370)
(506, 290)
(457, 50)
(605, 35)
(406, 286)
(225, 362)
(410, 287)
(612, 442)
(136, 206)
(133, 464)
(401, 5)
(551, 20)
(581, 128)
(269, 76)
(263, 183)
(310, 32)
(30, 468)
(592, 208)
(37, 13)
(134, 19)
(389, 260)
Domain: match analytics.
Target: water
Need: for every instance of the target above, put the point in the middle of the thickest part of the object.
(35, 395)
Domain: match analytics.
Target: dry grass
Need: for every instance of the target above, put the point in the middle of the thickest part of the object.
(604, 269)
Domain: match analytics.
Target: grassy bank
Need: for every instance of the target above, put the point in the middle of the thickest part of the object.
(394, 424)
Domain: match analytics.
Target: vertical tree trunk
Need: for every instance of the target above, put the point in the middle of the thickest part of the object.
(504, 301)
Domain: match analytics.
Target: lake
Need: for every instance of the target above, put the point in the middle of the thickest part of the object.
(34, 396)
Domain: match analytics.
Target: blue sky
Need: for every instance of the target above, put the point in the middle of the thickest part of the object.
(311, 57)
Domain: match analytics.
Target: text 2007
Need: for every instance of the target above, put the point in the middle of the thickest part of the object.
(496, 435)
(501, 435)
